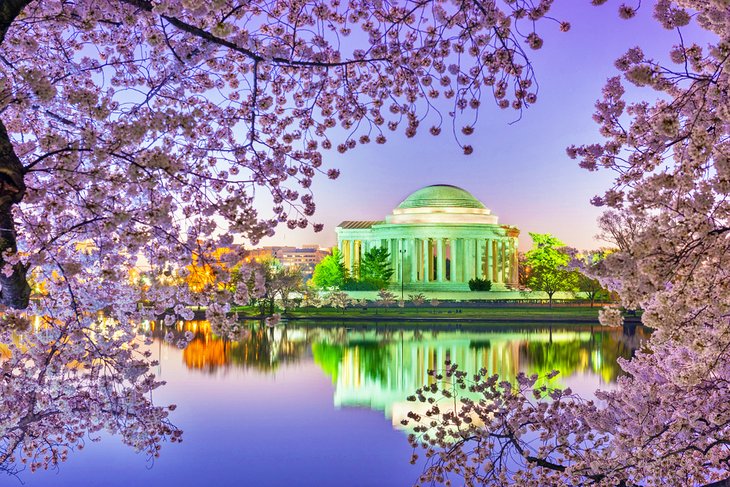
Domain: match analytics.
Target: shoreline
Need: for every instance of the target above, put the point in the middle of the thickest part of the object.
(356, 316)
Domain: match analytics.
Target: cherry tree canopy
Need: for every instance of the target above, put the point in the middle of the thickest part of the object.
(138, 133)
(146, 128)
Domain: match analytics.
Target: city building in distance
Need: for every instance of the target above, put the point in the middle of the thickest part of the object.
(305, 257)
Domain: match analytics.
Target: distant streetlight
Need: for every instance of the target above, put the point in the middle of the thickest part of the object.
(402, 251)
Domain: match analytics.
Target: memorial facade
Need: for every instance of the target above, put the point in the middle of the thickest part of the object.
(439, 238)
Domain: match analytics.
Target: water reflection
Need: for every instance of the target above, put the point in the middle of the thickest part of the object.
(257, 347)
(378, 367)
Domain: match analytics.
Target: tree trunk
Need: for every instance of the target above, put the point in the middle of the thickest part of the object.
(9, 10)
(15, 291)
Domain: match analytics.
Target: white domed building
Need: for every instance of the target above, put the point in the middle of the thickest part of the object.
(439, 238)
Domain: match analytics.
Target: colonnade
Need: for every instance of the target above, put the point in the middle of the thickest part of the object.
(452, 260)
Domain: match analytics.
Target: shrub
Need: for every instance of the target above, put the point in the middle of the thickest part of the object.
(353, 285)
(477, 284)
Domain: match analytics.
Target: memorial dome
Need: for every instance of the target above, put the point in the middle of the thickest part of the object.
(441, 196)
(441, 203)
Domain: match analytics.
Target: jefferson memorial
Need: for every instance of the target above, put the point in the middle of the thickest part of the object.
(439, 238)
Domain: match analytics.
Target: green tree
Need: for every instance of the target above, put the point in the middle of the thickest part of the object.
(547, 266)
(330, 272)
(375, 267)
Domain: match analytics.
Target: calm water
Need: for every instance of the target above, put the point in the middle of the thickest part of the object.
(320, 406)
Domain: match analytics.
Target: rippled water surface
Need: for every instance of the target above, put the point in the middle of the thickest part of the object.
(321, 405)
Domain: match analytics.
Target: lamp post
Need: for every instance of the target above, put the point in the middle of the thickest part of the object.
(402, 251)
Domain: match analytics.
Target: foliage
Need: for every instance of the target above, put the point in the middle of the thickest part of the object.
(585, 282)
(668, 420)
(523, 270)
(311, 298)
(269, 279)
(621, 229)
(417, 299)
(338, 299)
(610, 316)
(375, 267)
(358, 285)
(478, 284)
(330, 272)
(285, 281)
(386, 298)
(548, 266)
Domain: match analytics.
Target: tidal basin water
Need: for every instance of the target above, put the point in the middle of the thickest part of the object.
(320, 405)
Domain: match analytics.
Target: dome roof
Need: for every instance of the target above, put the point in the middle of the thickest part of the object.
(441, 196)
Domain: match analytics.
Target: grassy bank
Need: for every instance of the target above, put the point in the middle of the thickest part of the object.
(520, 314)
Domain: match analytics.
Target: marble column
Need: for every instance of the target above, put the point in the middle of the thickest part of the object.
(351, 257)
(515, 265)
(481, 257)
(495, 275)
(500, 261)
(431, 262)
(425, 261)
(394, 247)
(505, 279)
(358, 255)
(473, 257)
(441, 262)
(393, 260)
(412, 256)
(487, 272)
(465, 259)
(454, 263)
(478, 262)
(495, 261)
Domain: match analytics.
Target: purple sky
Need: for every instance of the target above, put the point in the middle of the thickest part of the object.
(520, 171)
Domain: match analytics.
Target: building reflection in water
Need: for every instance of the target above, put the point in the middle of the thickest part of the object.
(377, 368)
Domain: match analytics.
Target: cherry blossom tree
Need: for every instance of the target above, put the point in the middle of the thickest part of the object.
(668, 420)
(141, 133)
(54, 399)
(386, 298)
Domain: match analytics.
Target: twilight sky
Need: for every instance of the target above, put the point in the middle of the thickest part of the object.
(520, 170)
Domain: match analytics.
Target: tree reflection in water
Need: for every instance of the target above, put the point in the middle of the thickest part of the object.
(257, 346)
(380, 367)
(64, 382)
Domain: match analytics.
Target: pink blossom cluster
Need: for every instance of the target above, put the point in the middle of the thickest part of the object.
(65, 380)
